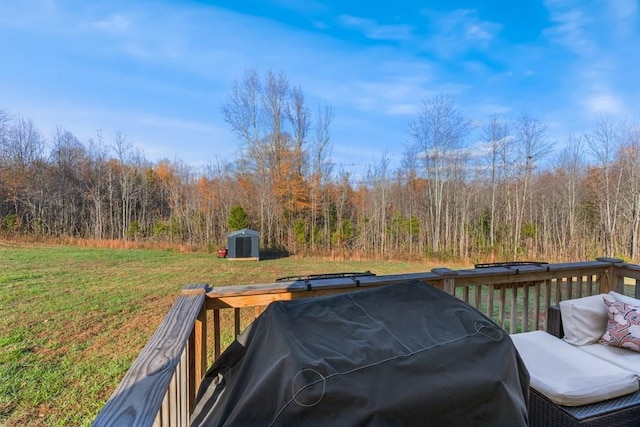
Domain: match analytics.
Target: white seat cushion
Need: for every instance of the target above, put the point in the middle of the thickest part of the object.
(569, 376)
(624, 358)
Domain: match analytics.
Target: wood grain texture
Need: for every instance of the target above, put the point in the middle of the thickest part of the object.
(139, 396)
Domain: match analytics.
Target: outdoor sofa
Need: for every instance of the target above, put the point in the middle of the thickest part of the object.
(576, 379)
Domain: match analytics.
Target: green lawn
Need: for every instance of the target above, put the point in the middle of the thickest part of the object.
(72, 319)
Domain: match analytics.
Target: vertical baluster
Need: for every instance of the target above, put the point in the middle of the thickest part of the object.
(216, 332)
(580, 284)
(179, 390)
(236, 319)
(546, 301)
(503, 297)
(601, 278)
(570, 287)
(184, 389)
(490, 298)
(165, 410)
(514, 308)
(525, 306)
(172, 407)
(536, 305)
(197, 355)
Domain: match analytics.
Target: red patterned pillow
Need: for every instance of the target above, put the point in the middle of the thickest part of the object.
(623, 327)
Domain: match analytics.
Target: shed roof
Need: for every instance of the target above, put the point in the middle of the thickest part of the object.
(245, 232)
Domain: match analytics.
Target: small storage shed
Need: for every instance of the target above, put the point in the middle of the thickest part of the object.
(244, 245)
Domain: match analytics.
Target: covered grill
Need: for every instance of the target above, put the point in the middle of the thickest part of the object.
(405, 354)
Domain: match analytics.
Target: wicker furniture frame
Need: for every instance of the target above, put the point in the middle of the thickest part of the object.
(621, 411)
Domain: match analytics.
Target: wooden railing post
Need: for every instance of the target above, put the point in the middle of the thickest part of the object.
(611, 281)
(197, 355)
(449, 279)
(630, 272)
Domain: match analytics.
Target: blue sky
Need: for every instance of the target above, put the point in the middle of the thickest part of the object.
(159, 71)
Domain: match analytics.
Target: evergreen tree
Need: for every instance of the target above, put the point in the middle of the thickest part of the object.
(237, 218)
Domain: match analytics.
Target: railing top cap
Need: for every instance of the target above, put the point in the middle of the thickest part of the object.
(436, 274)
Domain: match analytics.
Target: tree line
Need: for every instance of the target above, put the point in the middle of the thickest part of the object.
(508, 194)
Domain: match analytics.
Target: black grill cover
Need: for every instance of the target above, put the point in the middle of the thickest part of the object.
(406, 354)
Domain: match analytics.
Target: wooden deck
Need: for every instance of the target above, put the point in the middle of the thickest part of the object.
(160, 387)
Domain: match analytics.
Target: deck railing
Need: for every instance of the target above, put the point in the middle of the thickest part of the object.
(160, 387)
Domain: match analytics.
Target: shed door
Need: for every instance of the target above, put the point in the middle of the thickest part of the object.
(243, 247)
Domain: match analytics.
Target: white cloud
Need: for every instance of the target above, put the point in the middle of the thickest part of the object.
(36, 14)
(624, 17)
(387, 85)
(172, 123)
(478, 32)
(113, 24)
(604, 103)
(373, 30)
(475, 66)
(571, 26)
(603, 37)
(320, 25)
(570, 33)
(304, 7)
(458, 31)
(624, 9)
(404, 109)
(488, 109)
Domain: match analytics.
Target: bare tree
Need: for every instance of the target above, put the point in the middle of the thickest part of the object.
(628, 159)
(343, 228)
(4, 161)
(495, 134)
(532, 146)
(572, 166)
(67, 156)
(408, 179)
(125, 169)
(377, 207)
(95, 186)
(243, 111)
(604, 142)
(299, 118)
(321, 169)
(4, 125)
(22, 157)
(439, 130)
(23, 144)
(272, 123)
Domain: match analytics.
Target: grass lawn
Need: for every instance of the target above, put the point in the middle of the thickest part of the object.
(73, 319)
